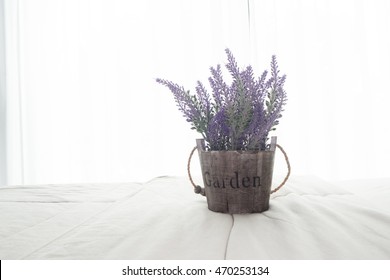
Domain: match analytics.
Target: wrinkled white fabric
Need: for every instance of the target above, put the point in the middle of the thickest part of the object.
(164, 219)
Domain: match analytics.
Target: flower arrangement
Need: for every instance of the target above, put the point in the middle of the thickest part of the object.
(238, 116)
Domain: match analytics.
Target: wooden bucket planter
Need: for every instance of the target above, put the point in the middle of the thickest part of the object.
(237, 182)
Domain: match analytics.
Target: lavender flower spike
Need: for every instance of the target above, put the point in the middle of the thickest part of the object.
(238, 116)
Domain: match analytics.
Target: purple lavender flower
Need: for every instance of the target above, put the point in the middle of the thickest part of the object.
(206, 108)
(218, 132)
(220, 89)
(277, 97)
(193, 110)
(232, 65)
(238, 116)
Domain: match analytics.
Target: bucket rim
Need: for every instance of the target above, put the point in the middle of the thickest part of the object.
(200, 143)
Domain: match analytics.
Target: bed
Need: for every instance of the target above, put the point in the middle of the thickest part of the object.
(163, 219)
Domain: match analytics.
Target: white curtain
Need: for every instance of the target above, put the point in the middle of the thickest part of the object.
(3, 164)
(337, 58)
(82, 104)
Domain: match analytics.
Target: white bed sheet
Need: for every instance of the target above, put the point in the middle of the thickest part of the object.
(163, 219)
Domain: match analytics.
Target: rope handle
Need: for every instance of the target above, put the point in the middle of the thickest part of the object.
(198, 189)
(288, 169)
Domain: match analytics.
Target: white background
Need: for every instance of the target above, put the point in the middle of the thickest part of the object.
(83, 106)
(278, 270)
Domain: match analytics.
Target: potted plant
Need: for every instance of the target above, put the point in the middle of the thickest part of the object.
(236, 154)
